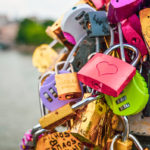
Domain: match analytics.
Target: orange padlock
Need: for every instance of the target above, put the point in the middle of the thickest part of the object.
(68, 86)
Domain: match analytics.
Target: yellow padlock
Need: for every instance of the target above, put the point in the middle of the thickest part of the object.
(44, 57)
(67, 84)
(86, 128)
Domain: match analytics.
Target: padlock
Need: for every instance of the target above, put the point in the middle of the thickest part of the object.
(106, 74)
(145, 21)
(71, 24)
(120, 10)
(61, 115)
(86, 128)
(85, 48)
(96, 24)
(67, 84)
(49, 95)
(44, 57)
(27, 141)
(132, 100)
(127, 140)
(58, 141)
(132, 35)
(56, 33)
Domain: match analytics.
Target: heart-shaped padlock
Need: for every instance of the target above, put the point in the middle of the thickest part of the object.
(132, 100)
(72, 23)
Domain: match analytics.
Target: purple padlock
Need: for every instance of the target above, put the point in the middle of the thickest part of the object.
(48, 93)
(122, 9)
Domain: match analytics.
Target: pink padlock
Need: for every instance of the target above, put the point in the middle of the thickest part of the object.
(106, 74)
(98, 3)
(132, 35)
(122, 9)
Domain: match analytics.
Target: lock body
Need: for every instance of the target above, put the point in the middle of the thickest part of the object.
(44, 57)
(57, 117)
(59, 141)
(86, 128)
(132, 35)
(120, 10)
(132, 100)
(106, 74)
(96, 24)
(49, 94)
(72, 23)
(68, 86)
(145, 21)
(126, 145)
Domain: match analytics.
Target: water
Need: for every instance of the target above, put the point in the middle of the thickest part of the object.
(19, 108)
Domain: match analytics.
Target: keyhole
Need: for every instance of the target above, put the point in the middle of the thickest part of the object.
(117, 0)
(148, 16)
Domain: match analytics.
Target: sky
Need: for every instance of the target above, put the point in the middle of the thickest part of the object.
(49, 9)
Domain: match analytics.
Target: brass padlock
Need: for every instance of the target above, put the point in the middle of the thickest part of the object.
(68, 86)
(87, 127)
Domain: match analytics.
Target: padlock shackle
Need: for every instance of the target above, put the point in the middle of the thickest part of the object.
(36, 135)
(126, 130)
(53, 43)
(72, 52)
(130, 47)
(36, 128)
(60, 63)
(133, 138)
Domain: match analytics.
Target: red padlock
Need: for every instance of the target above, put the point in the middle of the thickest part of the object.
(132, 33)
(106, 74)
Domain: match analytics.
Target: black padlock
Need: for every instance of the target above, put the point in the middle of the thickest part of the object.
(86, 47)
(96, 24)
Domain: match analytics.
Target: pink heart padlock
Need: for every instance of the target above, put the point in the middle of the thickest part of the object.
(106, 74)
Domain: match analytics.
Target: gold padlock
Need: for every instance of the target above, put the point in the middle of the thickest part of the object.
(58, 141)
(67, 84)
(86, 129)
(56, 33)
(44, 57)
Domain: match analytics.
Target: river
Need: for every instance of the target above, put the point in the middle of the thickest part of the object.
(19, 109)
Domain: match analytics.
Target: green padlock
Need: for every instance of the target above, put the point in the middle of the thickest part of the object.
(132, 100)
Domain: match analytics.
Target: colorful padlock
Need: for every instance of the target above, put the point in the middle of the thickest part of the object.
(106, 74)
(132, 35)
(132, 100)
(122, 9)
(49, 95)
(67, 84)
(71, 24)
(96, 24)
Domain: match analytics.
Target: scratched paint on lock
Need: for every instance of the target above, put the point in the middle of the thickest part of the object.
(145, 23)
(59, 141)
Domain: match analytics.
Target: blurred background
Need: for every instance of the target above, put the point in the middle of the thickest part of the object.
(22, 29)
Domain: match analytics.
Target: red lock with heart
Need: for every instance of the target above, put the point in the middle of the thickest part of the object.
(106, 74)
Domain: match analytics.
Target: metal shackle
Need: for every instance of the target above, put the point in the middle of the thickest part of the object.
(130, 47)
(125, 135)
(60, 63)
